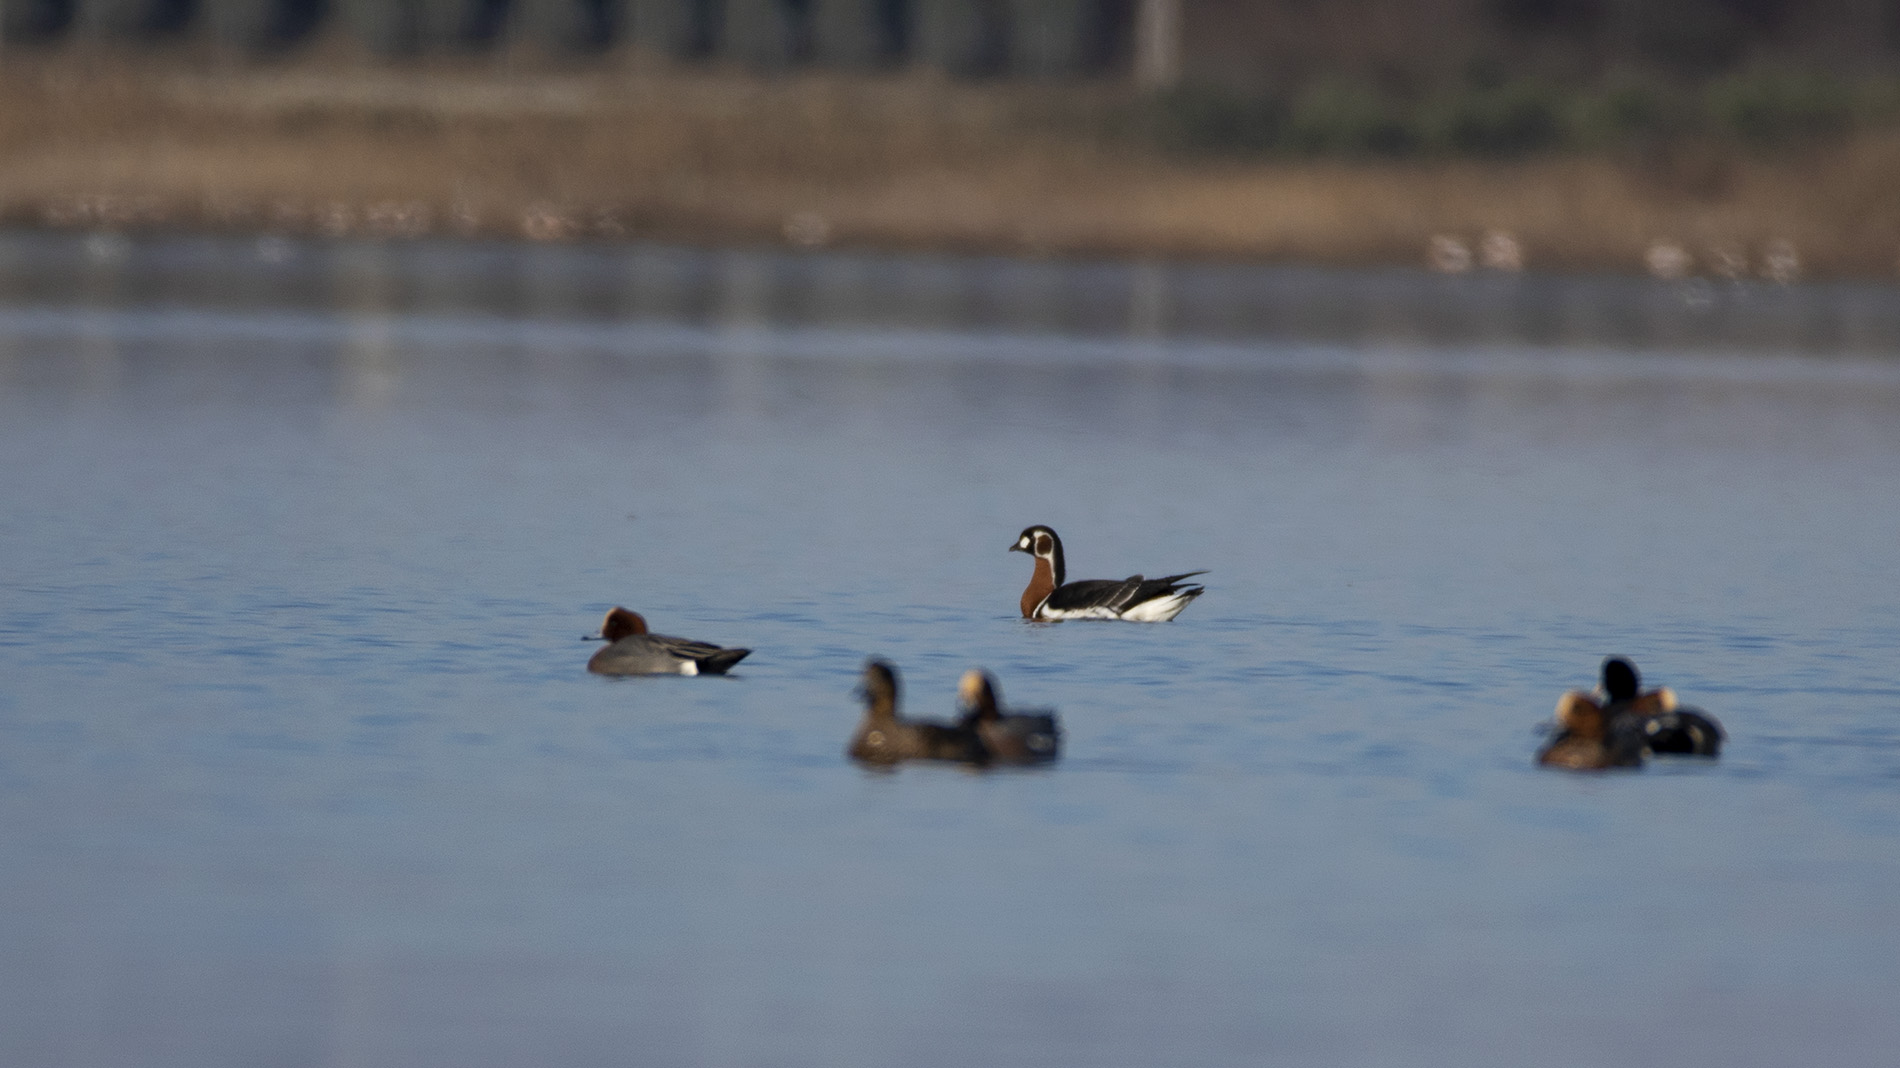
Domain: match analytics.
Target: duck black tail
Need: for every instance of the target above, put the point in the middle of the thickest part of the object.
(1687, 731)
(719, 662)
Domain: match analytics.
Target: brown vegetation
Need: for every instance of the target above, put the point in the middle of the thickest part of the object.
(502, 145)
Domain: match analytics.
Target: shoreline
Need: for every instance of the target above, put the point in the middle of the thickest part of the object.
(338, 146)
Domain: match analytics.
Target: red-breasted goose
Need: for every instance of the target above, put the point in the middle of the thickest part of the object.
(1050, 596)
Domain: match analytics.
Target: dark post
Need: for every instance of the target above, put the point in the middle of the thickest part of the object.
(768, 34)
(963, 37)
(129, 18)
(33, 21)
(684, 29)
(571, 25)
(259, 25)
(406, 27)
(860, 34)
(1055, 38)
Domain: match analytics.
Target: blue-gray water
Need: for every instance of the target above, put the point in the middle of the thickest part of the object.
(299, 764)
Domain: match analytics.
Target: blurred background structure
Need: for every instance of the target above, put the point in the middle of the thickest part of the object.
(1583, 131)
(1235, 43)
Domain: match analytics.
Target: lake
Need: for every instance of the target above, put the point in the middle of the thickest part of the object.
(299, 764)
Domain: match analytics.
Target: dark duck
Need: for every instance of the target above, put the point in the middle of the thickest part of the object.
(885, 737)
(1026, 737)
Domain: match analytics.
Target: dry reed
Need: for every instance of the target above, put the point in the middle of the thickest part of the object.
(335, 144)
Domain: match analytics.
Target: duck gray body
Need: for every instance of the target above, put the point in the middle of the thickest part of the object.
(631, 650)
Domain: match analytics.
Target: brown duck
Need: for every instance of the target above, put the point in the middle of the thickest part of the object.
(885, 737)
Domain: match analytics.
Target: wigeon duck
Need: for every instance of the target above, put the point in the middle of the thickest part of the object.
(1620, 690)
(1050, 596)
(1010, 737)
(887, 738)
(1586, 740)
(632, 651)
(1684, 732)
(1667, 727)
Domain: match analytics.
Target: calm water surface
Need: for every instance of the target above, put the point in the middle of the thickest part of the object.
(299, 764)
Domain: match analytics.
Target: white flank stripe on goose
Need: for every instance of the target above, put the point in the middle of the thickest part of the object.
(1097, 612)
(1159, 610)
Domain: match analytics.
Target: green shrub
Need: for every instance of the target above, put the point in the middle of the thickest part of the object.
(1485, 117)
(1767, 107)
(1622, 111)
(1348, 118)
(1506, 120)
(1877, 103)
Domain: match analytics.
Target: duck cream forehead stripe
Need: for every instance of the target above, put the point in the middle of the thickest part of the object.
(971, 686)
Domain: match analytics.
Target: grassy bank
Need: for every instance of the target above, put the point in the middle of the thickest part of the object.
(329, 143)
